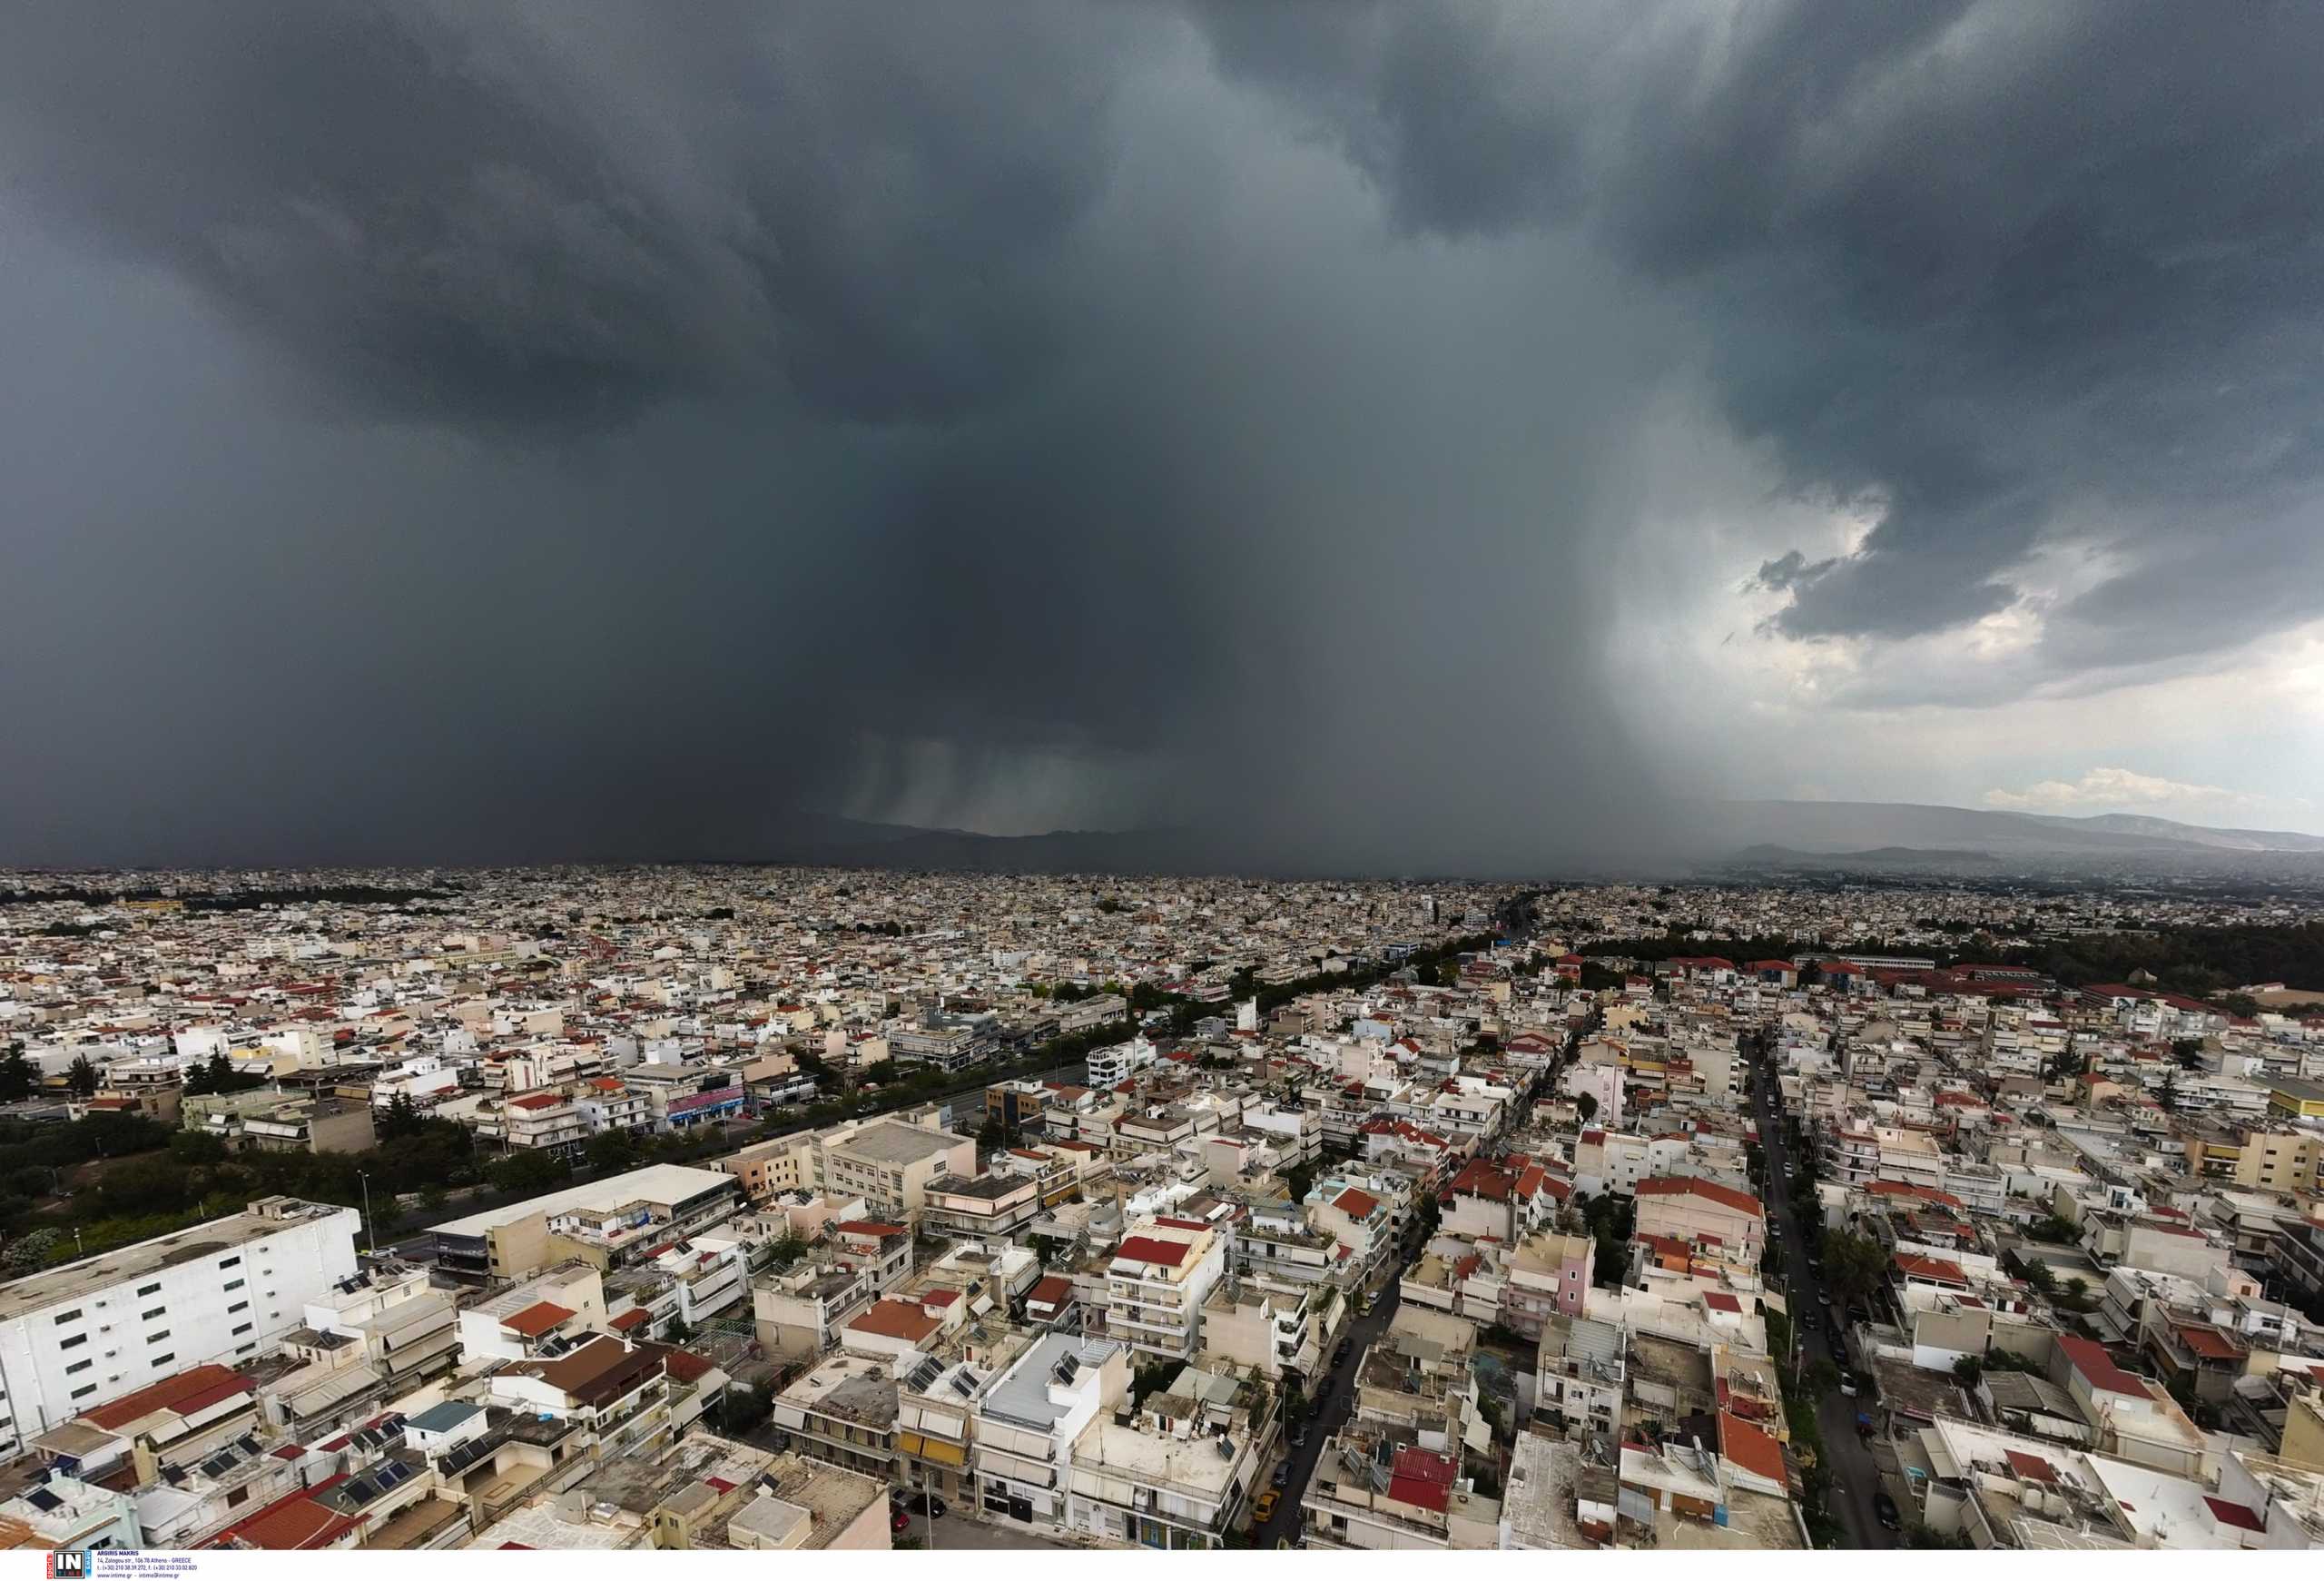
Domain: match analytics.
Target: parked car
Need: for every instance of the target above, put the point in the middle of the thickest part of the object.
(1282, 1478)
(898, 1520)
(920, 1502)
(1848, 1384)
(1884, 1507)
(1264, 1511)
(1299, 1435)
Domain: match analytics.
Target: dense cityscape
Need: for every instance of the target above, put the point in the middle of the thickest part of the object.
(752, 1207)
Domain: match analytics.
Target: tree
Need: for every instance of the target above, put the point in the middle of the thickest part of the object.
(1969, 1369)
(1854, 1264)
(529, 1173)
(82, 1079)
(31, 1251)
(400, 1119)
(741, 1408)
(612, 1151)
(16, 1075)
(1586, 1105)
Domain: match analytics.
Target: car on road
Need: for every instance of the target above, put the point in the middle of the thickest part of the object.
(1884, 1509)
(1299, 1435)
(1282, 1478)
(898, 1521)
(1848, 1384)
(917, 1503)
(1825, 1297)
(1264, 1511)
(1341, 1352)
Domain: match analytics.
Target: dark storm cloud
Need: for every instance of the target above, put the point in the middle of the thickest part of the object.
(683, 425)
(2001, 269)
(481, 432)
(457, 215)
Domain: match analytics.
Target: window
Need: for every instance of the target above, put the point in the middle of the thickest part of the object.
(245, 1350)
(69, 1344)
(157, 1338)
(152, 1314)
(230, 1263)
(84, 1390)
(164, 1361)
(64, 1317)
(237, 1497)
(238, 1307)
(80, 1367)
(233, 1284)
(152, 1290)
(242, 1327)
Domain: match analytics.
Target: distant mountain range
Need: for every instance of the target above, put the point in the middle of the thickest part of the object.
(1872, 836)
(1836, 827)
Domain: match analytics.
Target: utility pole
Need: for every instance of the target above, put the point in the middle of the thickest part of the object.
(371, 1230)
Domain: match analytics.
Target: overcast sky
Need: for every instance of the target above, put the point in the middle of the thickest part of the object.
(1425, 433)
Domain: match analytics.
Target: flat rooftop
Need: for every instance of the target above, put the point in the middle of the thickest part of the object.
(666, 1185)
(92, 1275)
(891, 1142)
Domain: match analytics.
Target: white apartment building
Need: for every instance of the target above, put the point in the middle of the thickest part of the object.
(1156, 1283)
(1111, 1066)
(91, 1332)
(1028, 1420)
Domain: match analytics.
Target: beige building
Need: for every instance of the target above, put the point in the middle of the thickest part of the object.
(1689, 1208)
(890, 1164)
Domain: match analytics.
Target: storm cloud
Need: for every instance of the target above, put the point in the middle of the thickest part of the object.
(492, 433)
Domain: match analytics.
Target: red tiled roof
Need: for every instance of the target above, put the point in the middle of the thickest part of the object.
(1721, 1302)
(1356, 1204)
(1146, 1249)
(2208, 1342)
(629, 1319)
(896, 1320)
(869, 1227)
(537, 1100)
(190, 1390)
(537, 1319)
(2089, 1359)
(2032, 1467)
(1931, 1268)
(1711, 1191)
(1749, 1448)
(1421, 1478)
(1051, 1291)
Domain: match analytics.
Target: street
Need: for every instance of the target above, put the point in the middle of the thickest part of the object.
(1855, 1479)
(1339, 1398)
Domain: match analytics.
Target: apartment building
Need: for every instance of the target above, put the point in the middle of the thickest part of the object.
(1178, 1474)
(1686, 1207)
(1156, 1282)
(94, 1330)
(890, 1164)
(608, 1223)
(1028, 1420)
(772, 1168)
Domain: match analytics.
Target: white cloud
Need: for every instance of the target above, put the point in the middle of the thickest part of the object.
(2117, 788)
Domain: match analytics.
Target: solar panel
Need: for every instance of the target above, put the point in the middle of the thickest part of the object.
(248, 1446)
(41, 1499)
